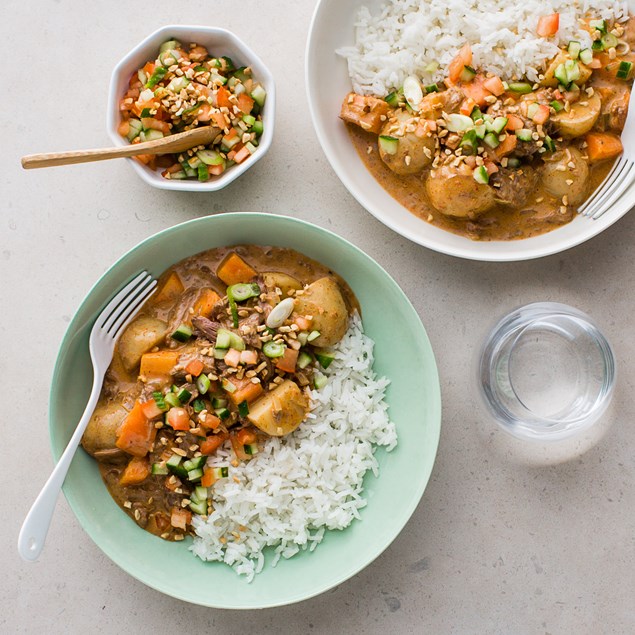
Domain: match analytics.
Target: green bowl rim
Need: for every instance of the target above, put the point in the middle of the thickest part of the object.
(434, 419)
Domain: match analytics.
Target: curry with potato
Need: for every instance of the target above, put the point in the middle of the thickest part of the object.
(223, 355)
(496, 159)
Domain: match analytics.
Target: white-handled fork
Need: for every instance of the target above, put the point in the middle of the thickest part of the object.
(618, 180)
(103, 336)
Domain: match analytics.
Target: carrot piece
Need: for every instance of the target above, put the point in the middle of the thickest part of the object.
(245, 103)
(136, 433)
(507, 146)
(288, 361)
(463, 58)
(476, 91)
(241, 155)
(467, 107)
(158, 364)
(602, 146)
(137, 471)
(219, 120)
(211, 444)
(205, 302)
(195, 367)
(150, 409)
(548, 25)
(180, 518)
(178, 418)
(216, 170)
(514, 123)
(234, 269)
(171, 288)
(222, 97)
(245, 391)
(148, 69)
(494, 85)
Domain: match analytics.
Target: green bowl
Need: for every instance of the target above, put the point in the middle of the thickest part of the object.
(402, 353)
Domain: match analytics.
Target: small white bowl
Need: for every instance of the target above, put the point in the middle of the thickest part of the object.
(218, 42)
(327, 81)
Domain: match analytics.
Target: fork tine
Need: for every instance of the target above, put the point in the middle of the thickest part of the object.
(623, 186)
(126, 317)
(124, 302)
(108, 310)
(610, 189)
(600, 192)
(129, 305)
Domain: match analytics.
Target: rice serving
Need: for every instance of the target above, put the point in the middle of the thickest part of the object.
(420, 37)
(300, 485)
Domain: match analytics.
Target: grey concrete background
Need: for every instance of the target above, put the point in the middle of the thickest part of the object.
(492, 548)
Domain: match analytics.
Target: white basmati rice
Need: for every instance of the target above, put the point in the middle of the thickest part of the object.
(405, 36)
(312, 480)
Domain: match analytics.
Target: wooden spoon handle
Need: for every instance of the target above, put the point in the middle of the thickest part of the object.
(173, 143)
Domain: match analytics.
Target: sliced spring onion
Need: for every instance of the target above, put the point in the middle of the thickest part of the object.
(198, 405)
(273, 349)
(574, 49)
(233, 308)
(469, 142)
(243, 408)
(182, 333)
(467, 74)
(159, 400)
(325, 359)
(413, 92)
(556, 105)
(524, 134)
(210, 157)
(521, 88)
(280, 313)
(388, 144)
(609, 41)
(586, 56)
(392, 99)
(243, 291)
(480, 175)
(203, 383)
(491, 140)
(313, 335)
(156, 77)
(459, 123)
(624, 70)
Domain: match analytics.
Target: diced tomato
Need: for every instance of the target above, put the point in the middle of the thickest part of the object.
(302, 322)
(514, 123)
(548, 25)
(541, 115)
(215, 170)
(463, 58)
(494, 85)
(219, 120)
(150, 409)
(212, 443)
(150, 123)
(195, 367)
(245, 103)
(232, 357)
(507, 146)
(245, 436)
(476, 91)
(178, 418)
(491, 167)
(467, 107)
(241, 155)
(208, 421)
(288, 361)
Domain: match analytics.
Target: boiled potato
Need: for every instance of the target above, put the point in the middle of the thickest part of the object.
(283, 281)
(281, 410)
(323, 300)
(140, 336)
(410, 155)
(101, 432)
(456, 193)
(560, 179)
(580, 119)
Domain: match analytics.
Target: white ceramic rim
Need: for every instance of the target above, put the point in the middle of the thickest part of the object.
(375, 199)
(206, 36)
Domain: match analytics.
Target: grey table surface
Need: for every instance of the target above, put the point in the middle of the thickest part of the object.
(492, 548)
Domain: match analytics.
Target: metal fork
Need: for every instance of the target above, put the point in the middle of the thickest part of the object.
(103, 336)
(618, 180)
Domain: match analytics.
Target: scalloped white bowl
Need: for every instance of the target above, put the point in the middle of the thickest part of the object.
(328, 82)
(220, 42)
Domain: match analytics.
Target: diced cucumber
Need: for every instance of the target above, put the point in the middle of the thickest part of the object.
(195, 463)
(550, 144)
(313, 335)
(491, 140)
(223, 338)
(556, 105)
(521, 88)
(524, 134)
(573, 70)
(198, 508)
(624, 70)
(184, 395)
(150, 135)
(574, 49)
(243, 408)
(467, 74)
(178, 84)
(219, 353)
(189, 171)
(561, 74)
(251, 147)
(195, 475)
(249, 120)
(222, 413)
(200, 493)
(586, 56)
(513, 162)
(498, 125)
(243, 73)
(203, 383)
(325, 359)
(304, 359)
(210, 157)
(169, 45)
(598, 25)
(432, 88)
(220, 472)
(230, 143)
(480, 175)
(174, 465)
(159, 469)
(250, 448)
(392, 99)
(202, 172)
(319, 381)
(388, 144)
(135, 129)
(172, 400)
(198, 405)
(469, 142)
(228, 386)
(182, 333)
(259, 94)
(219, 402)
(532, 109)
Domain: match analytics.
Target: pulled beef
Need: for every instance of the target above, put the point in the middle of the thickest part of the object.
(206, 327)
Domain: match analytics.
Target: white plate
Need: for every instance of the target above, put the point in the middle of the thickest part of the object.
(328, 82)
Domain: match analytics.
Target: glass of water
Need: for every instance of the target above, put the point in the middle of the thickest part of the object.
(547, 375)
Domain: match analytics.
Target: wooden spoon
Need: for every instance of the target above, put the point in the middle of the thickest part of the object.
(170, 144)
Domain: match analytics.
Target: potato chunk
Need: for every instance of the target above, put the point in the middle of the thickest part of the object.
(101, 433)
(283, 281)
(140, 336)
(580, 118)
(280, 411)
(323, 300)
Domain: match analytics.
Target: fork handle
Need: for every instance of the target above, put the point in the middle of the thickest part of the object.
(37, 522)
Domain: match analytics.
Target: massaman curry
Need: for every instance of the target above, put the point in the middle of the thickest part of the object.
(501, 160)
(223, 354)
